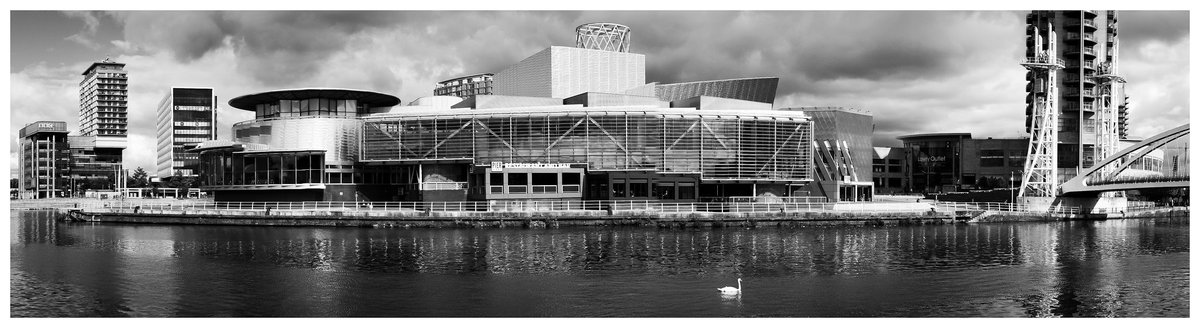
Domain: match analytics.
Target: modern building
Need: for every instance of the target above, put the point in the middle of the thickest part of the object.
(45, 159)
(565, 124)
(93, 167)
(303, 144)
(993, 163)
(1087, 43)
(185, 116)
(842, 153)
(887, 170)
(103, 118)
(466, 86)
(946, 162)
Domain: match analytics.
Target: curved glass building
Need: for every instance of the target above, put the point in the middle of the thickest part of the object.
(302, 144)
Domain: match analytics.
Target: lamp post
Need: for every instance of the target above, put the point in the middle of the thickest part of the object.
(1012, 196)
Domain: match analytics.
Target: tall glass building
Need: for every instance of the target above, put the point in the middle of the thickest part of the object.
(185, 116)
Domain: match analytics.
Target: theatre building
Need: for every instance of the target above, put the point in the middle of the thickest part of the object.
(564, 124)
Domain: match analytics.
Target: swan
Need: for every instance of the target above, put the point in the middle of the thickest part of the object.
(731, 290)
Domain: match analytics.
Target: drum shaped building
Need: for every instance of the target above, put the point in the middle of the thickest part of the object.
(571, 123)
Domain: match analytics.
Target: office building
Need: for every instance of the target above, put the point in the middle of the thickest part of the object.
(93, 167)
(44, 160)
(948, 162)
(185, 116)
(466, 86)
(887, 170)
(1087, 43)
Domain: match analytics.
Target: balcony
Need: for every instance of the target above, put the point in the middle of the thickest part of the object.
(1089, 38)
(1043, 61)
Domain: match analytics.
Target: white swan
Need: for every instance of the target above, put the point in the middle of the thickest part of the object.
(731, 290)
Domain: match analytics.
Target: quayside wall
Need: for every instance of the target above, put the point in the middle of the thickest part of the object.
(406, 219)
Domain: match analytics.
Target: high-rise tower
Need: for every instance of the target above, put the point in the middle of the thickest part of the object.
(1090, 99)
(103, 100)
(103, 110)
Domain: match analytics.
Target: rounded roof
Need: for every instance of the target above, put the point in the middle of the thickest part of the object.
(376, 99)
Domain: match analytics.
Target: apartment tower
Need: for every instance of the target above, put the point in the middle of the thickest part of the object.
(103, 114)
(1091, 96)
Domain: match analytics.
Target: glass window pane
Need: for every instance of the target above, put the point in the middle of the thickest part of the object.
(664, 190)
(304, 110)
(545, 179)
(520, 179)
(639, 188)
(687, 190)
(497, 179)
(274, 169)
(619, 189)
(570, 178)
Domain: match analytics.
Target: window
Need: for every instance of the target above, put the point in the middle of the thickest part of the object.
(991, 158)
(545, 182)
(619, 188)
(545, 179)
(517, 183)
(664, 190)
(639, 188)
(687, 190)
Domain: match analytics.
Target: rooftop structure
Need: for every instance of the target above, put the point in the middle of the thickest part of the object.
(465, 86)
(603, 36)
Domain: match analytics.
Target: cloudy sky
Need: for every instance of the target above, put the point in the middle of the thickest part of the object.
(916, 72)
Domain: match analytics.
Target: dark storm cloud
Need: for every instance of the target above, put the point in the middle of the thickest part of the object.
(1139, 27)
(276, 47)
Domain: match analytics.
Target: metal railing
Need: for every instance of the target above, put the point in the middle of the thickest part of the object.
(542, 206)
(1004, 208)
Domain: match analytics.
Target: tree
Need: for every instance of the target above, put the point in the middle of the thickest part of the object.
(139, 179)
(183, 183)
(13, 184)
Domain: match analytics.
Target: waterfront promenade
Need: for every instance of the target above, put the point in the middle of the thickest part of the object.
(556, 213)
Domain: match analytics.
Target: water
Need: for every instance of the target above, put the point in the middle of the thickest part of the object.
(1115, 268)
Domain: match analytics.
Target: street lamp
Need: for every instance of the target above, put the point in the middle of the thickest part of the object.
(1012, 196)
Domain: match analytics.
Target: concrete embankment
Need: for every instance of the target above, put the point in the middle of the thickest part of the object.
(993, 216)
(406, 219)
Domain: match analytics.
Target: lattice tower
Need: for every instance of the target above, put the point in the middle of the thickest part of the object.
(1107, 129)
(603, 36)
(1040, 178)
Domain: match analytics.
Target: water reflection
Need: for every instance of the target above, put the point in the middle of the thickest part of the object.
(1108, 268)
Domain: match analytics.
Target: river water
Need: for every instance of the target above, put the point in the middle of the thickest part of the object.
(1114, 268)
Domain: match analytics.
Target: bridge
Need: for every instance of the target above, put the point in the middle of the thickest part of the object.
(1121, 171)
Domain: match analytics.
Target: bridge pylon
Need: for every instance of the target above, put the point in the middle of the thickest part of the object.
(1040, 178)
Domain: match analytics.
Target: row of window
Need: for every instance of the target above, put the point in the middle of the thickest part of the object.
(310, 107)
(188, 140)
(194, 108)
(274, 168)
(178, 123)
